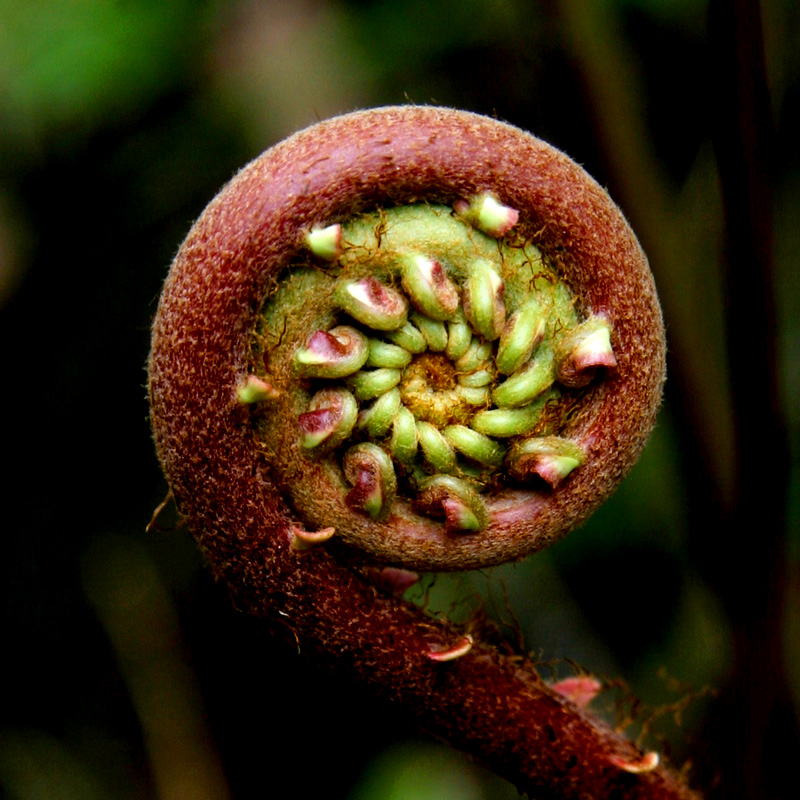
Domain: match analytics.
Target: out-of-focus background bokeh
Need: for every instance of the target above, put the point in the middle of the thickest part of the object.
(127, 673)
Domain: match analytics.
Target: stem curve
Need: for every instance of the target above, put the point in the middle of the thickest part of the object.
(488, 704)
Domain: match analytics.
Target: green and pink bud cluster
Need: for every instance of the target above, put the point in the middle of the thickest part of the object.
(435, 383)
(448, 357)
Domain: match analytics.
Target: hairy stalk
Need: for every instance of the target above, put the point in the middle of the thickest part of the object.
(350, 363)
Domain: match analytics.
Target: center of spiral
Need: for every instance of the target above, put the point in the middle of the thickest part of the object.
(428, 390)
(429, 361)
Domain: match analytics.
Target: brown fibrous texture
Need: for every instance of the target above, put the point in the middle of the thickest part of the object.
(488, 704)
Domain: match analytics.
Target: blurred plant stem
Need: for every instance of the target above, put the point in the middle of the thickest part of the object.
(667, 224)
(727, 400)
(750, 550)
(141, 623)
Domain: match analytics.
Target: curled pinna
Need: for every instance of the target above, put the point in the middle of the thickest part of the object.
(405, 339)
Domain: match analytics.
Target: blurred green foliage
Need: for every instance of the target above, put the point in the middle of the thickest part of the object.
(74, 66)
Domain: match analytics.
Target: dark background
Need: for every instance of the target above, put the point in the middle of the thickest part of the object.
(127, 672)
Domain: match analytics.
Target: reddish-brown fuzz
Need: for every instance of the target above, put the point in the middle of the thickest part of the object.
(496, 707)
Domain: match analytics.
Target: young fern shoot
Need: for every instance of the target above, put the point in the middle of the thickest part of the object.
(408, 339)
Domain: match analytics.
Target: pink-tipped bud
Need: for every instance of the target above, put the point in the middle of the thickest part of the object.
(488, 214)
(336, 353)
(371, 473)
(396, 580)
(429, 288)
(458, 649)
(583, 350)
(325, 243)
(645, 763)
(581, 689)
(461, 506)
(551, 458)
(329, 421)
(302, 540)
(256, 390)
(372, 303)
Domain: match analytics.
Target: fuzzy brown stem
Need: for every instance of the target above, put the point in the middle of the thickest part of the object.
(490, 705)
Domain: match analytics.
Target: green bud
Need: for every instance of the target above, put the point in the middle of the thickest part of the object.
(476, 355)
(368, 384)
(474, 380)
(527, 384)
(409, 338)
(383, 354)
(505, 422)
(483, 300)
(459, 337)
(377, 419)
(403, 443)
(433, 331)
(256, 390)
(474, 396)
(523, 331)
(437, 450)
(475, 445)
